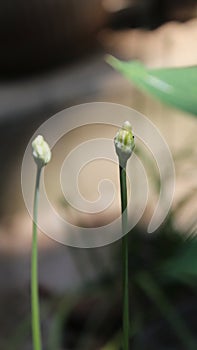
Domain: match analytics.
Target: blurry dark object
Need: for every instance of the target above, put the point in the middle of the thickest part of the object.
(152, 13)
(35, 35)
(92, 319)
(160, 335)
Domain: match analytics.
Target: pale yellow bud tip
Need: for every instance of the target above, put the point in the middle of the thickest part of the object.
(124, 143)
(127, 126)
(41, 151)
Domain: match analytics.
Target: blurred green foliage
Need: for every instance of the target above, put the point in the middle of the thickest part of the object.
(174, 86)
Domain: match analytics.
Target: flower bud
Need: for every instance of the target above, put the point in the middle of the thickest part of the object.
(41, 151)
(124, 143)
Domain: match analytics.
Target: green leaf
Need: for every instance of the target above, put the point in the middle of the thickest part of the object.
(174, 86)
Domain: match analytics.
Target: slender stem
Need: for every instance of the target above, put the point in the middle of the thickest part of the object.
(34, 271)
(125, 320)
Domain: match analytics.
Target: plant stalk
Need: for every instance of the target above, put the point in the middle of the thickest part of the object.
(37, 345)
(125, 315)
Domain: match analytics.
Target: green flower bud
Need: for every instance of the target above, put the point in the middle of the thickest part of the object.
(124, 143)
(41, 151)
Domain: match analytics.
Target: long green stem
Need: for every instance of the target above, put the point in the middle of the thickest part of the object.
(34, 272)
(123, 188)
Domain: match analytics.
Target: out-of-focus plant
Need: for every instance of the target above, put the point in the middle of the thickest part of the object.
(42, 156)
(174, 86)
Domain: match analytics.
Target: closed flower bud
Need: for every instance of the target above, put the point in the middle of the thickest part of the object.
(124, 143)
(41, 151)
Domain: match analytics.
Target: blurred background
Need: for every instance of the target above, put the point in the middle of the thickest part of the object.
(52, 57)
